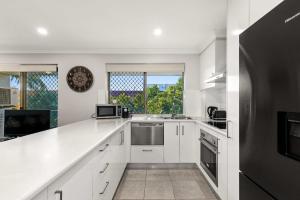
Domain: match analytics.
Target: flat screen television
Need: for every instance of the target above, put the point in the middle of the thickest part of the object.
(18, 123)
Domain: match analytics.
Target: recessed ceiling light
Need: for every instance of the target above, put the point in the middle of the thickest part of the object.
(42, 31)
(157, 32)
(237, 31)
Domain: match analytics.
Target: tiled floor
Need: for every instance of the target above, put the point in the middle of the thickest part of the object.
(181, 184)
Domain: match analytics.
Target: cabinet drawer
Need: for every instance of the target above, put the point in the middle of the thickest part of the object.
(147, 154)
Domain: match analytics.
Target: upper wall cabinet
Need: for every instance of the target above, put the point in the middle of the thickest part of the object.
(258, 8)
(213, 65)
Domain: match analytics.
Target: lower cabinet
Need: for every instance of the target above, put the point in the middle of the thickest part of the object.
(97, 176)
(179, 142)
(147, 154)
(76, 184)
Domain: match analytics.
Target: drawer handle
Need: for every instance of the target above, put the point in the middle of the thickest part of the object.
(101, 150)
(147, 150)
(182, 130)
(106, 166)
(107, 183)
(60, 193)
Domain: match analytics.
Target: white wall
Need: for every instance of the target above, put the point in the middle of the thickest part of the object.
(74, 106)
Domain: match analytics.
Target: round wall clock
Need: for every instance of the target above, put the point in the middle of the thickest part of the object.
(80, 79)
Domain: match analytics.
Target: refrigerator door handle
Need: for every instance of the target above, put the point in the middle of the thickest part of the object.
(227, 128)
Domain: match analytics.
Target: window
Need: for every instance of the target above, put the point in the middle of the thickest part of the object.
(164, 93)
(152, 93)
(128, 89)
(31, 90)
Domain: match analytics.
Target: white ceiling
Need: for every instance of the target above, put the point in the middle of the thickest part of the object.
(110, 26)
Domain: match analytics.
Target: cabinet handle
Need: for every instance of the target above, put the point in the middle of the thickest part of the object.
(227, 128)
(60, 193)
(103, 170)
(147, 150)
(122, 137)
(177, 130)
(107, 183)
(182, 130)
(101, 150)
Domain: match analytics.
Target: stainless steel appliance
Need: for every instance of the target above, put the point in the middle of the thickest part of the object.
(269, 106)
(107, 111)
(147, 134)
(209, 155)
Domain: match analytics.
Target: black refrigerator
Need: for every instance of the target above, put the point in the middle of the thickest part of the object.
(270, 106)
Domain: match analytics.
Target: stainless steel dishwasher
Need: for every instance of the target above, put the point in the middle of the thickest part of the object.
(147, 133)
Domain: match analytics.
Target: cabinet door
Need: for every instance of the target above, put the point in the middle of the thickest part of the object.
(187, 143)
(197, 145)
(171, 142)
(74, 185)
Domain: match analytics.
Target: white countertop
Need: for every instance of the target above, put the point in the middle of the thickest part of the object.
(29, 164)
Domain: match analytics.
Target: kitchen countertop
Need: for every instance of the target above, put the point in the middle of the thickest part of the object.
(29, 164)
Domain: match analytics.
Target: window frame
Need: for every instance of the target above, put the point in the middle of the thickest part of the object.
(144, 91)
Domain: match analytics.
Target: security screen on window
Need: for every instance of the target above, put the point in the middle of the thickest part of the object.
(145, 92)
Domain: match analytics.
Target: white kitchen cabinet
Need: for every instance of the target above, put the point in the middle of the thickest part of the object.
(259, 8)
(76, 184)
(179, 142)
(197, 144)
(187, 131)
(171, 142)
(147, 154)
(212, 61)
(41, 196)
(100, 170)
(97, 176)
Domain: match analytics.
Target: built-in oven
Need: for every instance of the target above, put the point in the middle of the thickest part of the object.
(104, 111)
(209, 155)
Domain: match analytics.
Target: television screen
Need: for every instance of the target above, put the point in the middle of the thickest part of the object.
(19, 123)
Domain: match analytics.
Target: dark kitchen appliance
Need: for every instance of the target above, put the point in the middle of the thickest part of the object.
(108, 111)
(209, 155)
(19, 123)
(269, 106)
(219, 115)
(211, 110)
(125, 112)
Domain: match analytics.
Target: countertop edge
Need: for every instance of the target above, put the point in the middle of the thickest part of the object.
(34, 193)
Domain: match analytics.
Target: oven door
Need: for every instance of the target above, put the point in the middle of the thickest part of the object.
(209, 159)
(106, 111)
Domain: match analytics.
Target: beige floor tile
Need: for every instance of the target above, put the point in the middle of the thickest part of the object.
(159, 190)
(135, 175)
(182, 175)
(187, 190)
(157, 175)
(207, 191)
(131, 190)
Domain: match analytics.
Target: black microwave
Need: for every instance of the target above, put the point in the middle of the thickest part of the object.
(108, 111)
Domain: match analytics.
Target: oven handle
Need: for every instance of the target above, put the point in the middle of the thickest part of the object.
(209, 146)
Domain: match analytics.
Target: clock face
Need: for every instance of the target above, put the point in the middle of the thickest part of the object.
(80, 79)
